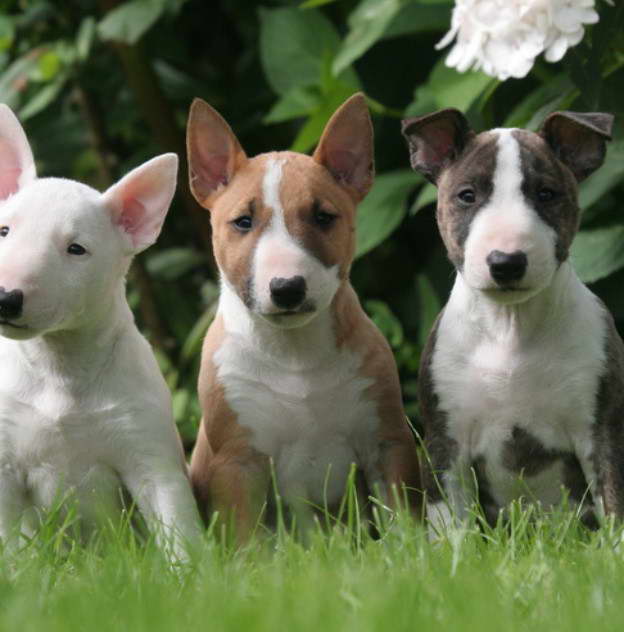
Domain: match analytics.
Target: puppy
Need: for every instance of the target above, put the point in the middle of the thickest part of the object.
(84, 410)
(294, 376)
(523, 376)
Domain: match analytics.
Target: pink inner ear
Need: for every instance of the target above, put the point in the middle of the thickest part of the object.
(343, 163)
(438, 150)
(131, 219)
(210, 172)
(9, 178)
(216, 166)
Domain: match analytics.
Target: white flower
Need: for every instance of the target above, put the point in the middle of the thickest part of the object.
(503, 37)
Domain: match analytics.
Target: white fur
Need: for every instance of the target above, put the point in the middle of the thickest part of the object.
(279, 255)
(303, 399)
(507, 223)
(535, 366)
(84, 410)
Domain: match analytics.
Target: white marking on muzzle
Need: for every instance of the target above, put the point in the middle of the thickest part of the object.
(278, 254)
(507, 223)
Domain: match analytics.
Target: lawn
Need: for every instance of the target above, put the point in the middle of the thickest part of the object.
(540, 572)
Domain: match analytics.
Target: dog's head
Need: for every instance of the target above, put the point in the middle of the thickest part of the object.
(283, 223)
(507, 198)
(65, 247)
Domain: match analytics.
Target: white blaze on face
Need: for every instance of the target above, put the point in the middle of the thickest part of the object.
(279, 254)
(507, 223)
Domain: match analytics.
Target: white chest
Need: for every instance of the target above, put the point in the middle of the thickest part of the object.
(61, 435)
(541, 388)
(314, 419)
(53, 451)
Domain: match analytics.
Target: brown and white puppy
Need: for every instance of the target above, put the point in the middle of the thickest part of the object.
(293, 372)
(523, 375)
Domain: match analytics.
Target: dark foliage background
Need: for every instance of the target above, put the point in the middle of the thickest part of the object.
(102, 85)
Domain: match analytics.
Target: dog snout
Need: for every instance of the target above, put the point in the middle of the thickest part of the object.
(506, 267)
(11, 303)
(287, 293)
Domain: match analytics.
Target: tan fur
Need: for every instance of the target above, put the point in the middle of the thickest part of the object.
(225, 469)
(229, 475)
(355, 330)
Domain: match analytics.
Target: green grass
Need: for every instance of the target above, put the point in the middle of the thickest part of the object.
(541, 572)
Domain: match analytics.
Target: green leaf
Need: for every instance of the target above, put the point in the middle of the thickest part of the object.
(423, 103)
(177, 84)
(386, 321)
(310, 4)
(85, 36)
(131, 20)
(430, 307)
(453, 89)
(367, 24)
(427, 195)
(48, 65)
(313, 127)
(15, 78)
(598, 252)
(193, 342)
(294, 45)
(172, 263)
(420, 18)
(447, 88)
(541, 101)
(43, 97)
(373, 20)
(180, 401)
(383, 208)
(7, 32)
(300, 101)
(608, 176)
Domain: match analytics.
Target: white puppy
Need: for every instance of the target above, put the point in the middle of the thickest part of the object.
(84, 411)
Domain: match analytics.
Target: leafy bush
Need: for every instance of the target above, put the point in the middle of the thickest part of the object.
(103, 85)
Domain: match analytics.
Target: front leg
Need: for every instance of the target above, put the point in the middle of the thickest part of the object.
(450, 490)
(163, 495)
(604, 467)
(587, 452)
(233, 483)
(150, 462)
(398, 476)
(602, 452)
(448, 477)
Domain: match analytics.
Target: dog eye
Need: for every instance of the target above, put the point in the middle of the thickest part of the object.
(323, 218)
(4, 231)
(243, 223)
(546, 195)
(467, 196)
(76, 249)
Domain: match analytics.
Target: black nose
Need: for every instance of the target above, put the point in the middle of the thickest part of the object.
(288, 293)
(10, 303)
(507, 266)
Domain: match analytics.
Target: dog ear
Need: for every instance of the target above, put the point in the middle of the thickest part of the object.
(346, 147)
(436, 140)
(578, 139)
(17, 166)
(140, 200)
(214, 153)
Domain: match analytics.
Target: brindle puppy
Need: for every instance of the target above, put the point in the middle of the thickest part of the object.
(523, 375)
